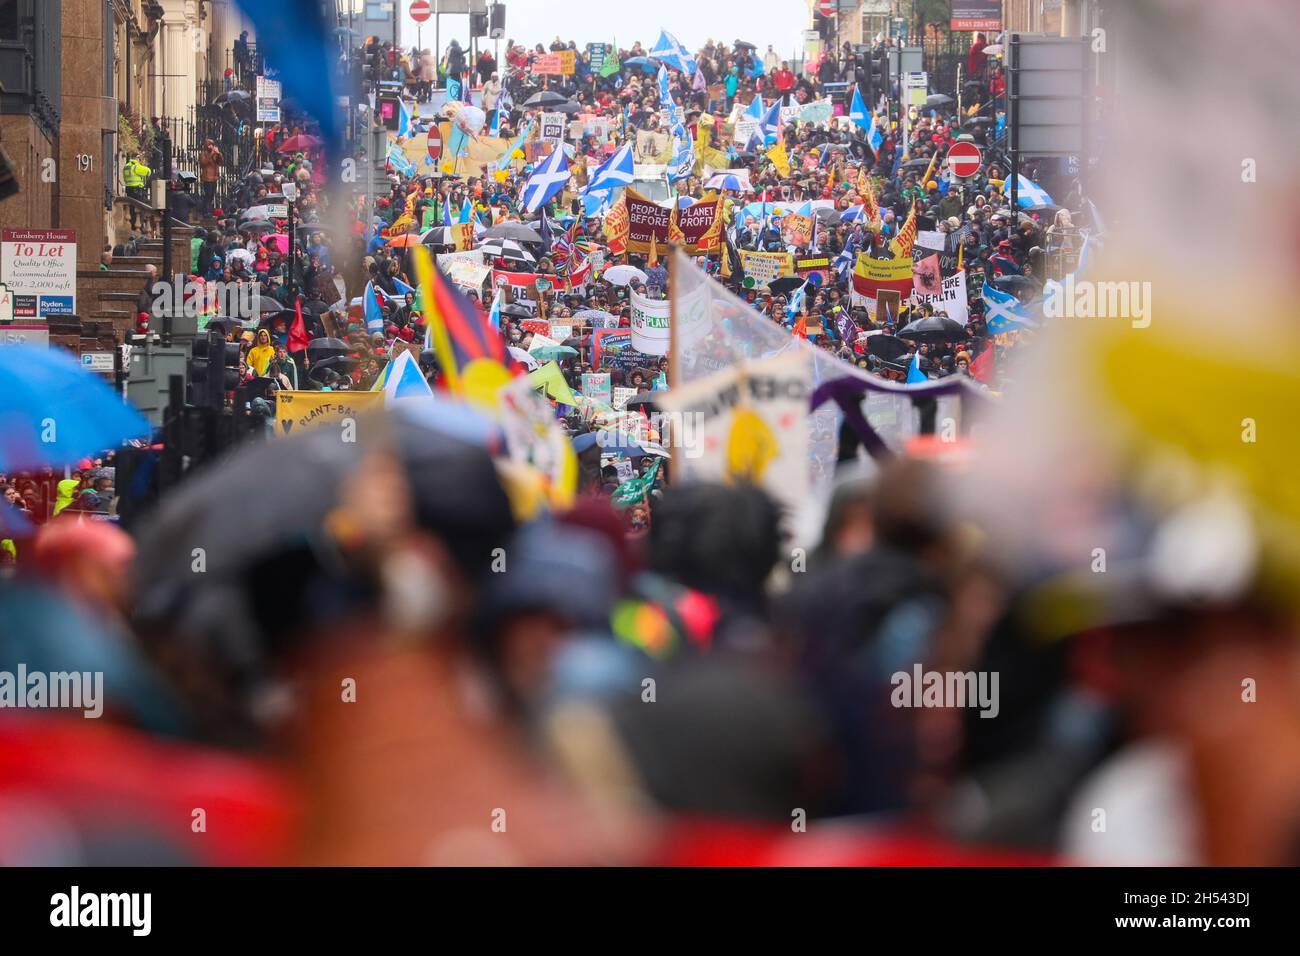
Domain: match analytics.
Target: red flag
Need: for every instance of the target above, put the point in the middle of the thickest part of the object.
(801, 327)
(298, 337)
(981, 368)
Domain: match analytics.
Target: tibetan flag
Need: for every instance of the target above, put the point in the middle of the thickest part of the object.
(471, 354)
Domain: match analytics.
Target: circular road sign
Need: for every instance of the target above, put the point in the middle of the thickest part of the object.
(435, 143)
(421, 11)
(964, 160)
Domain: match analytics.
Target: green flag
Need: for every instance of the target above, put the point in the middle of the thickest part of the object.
(611, 64)
(635, 490)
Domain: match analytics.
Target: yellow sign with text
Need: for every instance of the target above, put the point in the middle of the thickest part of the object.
(301, 411)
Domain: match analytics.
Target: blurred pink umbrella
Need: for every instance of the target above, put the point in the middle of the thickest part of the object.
(281, 241)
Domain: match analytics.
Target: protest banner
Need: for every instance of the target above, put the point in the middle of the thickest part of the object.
(701, 226)
(752, 425)
(810, 266)
(950, 300)
(649, 328)
(553, 126)
(621, 395)
(612, 348)
(560, 331)
(646, 220)
(926, 279)
(469, 273)
(300, 411)
(797, 230)
(463, 233)
(762, 267)
(597, 385)
(652, 147)
(744, 130)
(885, 307)
(554, 64)
(870, 276)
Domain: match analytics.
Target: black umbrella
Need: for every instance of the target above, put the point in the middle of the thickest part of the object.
(269, 306)
(745, 45)
(568, 107)
(513, 230)
(887, 347)
(645, 399)
(257, 225)
(517, 311)
(320, 349)
(335, 363)
(232, 97)
(937, 99)
(786, 284)
(306, 229)
(455, 495)
(1022, 287)
(315, 307)
(545, 98)
(914, 165)
(1051, 209)
(933, 328)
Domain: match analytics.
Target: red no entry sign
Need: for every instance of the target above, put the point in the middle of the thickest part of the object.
(421, 11)
(827, 7)
(435, 143)
(964, 159)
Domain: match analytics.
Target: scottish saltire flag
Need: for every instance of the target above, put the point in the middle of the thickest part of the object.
(467, 210)
(796, 301)
(613, 172)
(914, 373)
(404, 119)
(668, 49)
(494, 316)
(503, 163)
(546, 181)
(755, 108)
(754, 143)
(875, 138)
(297, 38)
(447, 214)
(403, 378)
(373, 313)
(547, 232)
(495, 129)
(397, 159)
(401, 287)
(844, 261)
(771, 122)
(858, 111)
(1028, 192)
(1003, 312)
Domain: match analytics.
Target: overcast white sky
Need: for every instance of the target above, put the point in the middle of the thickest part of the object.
(779, 22)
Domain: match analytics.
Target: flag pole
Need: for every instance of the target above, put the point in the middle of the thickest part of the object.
(674, 354)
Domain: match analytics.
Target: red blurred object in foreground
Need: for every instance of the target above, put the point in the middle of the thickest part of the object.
(106, 780)
(727, 843)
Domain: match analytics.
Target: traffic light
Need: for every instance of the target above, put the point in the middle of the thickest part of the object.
(389, 108)
(497, 21)
(478, 24)
(213, 370)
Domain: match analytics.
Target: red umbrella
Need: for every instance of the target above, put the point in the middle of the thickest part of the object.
(299, 144)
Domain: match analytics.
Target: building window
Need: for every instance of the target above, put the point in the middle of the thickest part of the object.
(9, 19)
(375, 11)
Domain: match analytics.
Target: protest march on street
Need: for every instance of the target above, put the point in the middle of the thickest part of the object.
(708, 447)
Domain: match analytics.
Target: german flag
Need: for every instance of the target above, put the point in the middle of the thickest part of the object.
(470, 352)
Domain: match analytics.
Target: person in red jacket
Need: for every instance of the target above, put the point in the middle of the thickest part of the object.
(783, 79)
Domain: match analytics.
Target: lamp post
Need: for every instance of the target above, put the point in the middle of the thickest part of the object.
(291, 194)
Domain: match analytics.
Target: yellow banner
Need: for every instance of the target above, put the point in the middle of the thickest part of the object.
(760, 268)
(301, 411)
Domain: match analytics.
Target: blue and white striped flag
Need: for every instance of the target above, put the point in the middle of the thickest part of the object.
(1003, 312)
(613, 172)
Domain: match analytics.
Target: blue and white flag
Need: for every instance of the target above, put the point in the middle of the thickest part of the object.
(397, 159)
(875, 138)
(847, 256)
(503, 163)
(668, 49)
(373, 314)
(683, 162)
(546, 181)
(1003, 312)
(495, 128)
(914, 374)
(771, 122)
(613, 172)
(404, 119)
(755, 108)
(1028, 192)
(858, 111)
(494, 316)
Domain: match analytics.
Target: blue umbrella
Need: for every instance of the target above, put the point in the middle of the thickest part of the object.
(54, 413)
(13, 523)
(728, 181)
(641, 62)
(853, 214)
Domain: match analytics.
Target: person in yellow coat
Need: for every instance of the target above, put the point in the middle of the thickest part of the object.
(260, 355)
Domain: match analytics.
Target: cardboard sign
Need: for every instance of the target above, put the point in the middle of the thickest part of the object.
(554, 64)
(596, 385)
(762, 267)
(646, 220)
(553, 126)
(301, 411)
